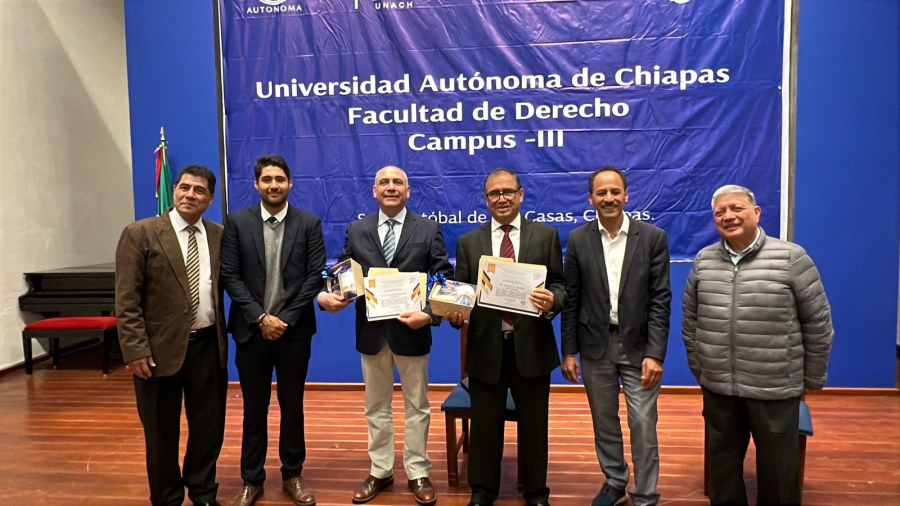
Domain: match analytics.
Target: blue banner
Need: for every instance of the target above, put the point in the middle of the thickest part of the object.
(684, 95)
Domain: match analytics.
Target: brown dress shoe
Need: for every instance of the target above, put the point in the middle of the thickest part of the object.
(370, 488)
(247, 496)
(423, 491)
(299, 491)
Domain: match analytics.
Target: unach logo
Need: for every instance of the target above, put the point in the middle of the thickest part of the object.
(273, 2)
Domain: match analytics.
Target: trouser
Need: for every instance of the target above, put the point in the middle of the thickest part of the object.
(601, 383)
(378, 374)
(532, 399)
(255, 360)
(730, 421)
(203, 386)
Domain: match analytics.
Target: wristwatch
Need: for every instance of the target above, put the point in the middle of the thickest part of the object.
(258, 321)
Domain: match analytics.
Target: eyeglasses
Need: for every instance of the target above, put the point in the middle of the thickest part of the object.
(506, 194)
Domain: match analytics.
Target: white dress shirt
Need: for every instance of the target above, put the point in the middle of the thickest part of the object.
(280, 216)
(398, 227)
(614, 254)
(497, 239)
(206, 313)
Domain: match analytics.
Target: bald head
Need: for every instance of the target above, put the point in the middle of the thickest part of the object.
(390, 171)
(391, 190)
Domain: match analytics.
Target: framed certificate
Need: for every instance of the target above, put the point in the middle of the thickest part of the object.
(506, 286)
(390, 295)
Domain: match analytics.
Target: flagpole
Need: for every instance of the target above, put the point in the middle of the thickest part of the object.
(163, 176)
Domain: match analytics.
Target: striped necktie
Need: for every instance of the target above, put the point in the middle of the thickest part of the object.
(193, 271)
(390, 242)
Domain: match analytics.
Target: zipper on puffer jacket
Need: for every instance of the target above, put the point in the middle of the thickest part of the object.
(734, 390)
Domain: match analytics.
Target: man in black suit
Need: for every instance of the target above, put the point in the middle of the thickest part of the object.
(398, 238)
(617, 318)
(507, 351)
(272, 258)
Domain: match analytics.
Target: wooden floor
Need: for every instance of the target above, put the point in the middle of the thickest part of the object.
(73, 437)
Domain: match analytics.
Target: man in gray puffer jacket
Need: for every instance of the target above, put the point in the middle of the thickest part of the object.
(757, 329)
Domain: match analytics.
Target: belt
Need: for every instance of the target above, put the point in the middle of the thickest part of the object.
(201, 333)
(506, 334)
(613, 328)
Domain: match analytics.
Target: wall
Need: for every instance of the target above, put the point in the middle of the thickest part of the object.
(848, 182)
(65, 179)
(847, 192)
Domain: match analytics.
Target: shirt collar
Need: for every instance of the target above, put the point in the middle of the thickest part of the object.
(400, 218)
(626, 226)
(746, 250)
(179, 223)
(516, 223)
(266, 214)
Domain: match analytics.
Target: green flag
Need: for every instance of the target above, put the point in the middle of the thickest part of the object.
(163, 179)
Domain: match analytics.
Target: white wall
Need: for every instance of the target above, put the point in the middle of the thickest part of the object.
(65, 151)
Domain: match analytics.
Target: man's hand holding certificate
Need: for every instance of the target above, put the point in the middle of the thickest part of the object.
(517, 288)
(392, 295)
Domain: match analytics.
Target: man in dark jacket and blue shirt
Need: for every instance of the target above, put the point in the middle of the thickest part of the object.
(757, 329)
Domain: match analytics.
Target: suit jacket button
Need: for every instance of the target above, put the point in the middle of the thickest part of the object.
(185, 311)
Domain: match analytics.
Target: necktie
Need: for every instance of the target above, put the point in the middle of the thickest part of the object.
(507, 251)
(193, 271)
(390, 242)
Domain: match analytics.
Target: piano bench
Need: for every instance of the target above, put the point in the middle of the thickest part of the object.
(101, 328)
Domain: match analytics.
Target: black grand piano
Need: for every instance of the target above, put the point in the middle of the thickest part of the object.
(74, 291)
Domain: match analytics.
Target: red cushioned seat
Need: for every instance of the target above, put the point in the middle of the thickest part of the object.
(101, 328)
(74, 323)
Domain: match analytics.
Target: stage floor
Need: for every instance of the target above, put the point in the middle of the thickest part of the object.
(71, 436)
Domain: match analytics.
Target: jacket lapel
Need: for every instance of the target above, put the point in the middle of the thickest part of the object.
(291, 226)
(524, 240)
(214, 240)
(487, 247)
(259, 240)
(597, 246)
(372, 228)
(631, 244)
(165, 233)
(408, 227)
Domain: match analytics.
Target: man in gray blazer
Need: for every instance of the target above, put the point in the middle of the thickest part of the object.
(617, 319)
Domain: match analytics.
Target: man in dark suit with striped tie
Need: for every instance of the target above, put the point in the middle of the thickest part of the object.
(394, 237)
(171, 322)
(272, 258)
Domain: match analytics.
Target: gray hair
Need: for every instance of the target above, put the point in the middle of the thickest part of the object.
(730, 189)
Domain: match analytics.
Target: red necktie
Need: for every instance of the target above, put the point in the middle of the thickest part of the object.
(507, 251)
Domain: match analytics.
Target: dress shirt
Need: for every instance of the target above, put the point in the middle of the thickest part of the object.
(398, 227)
(266, 214)
(736, 257)
(497, 238)
(614, 254)
(206, 313)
